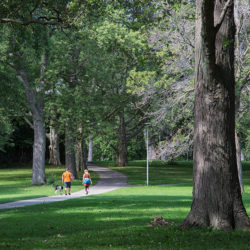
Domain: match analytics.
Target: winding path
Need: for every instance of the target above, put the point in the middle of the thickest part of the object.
(109, 180)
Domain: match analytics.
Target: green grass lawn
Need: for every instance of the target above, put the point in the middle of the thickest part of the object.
(120, 219)
(116, 220)
(15, 183)
(159, 172)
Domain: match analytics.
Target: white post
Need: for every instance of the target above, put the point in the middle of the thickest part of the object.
(147, 155)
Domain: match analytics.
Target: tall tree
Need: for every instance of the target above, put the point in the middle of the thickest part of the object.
(26, 54)
(29, 42)
(217, 200)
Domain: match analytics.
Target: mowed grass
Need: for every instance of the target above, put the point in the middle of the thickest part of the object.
(119, 219)
(159, 172)
(15, 183)
(115, 220)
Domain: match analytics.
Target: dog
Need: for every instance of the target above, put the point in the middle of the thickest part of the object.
(58, 188)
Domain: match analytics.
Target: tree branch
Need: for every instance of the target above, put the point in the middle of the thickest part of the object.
(32, 21)
(222, 15)
(29, 122)
(112, 146)
(136, 132)
(244, 81)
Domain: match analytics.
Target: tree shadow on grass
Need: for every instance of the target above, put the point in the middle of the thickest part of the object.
(119, 221)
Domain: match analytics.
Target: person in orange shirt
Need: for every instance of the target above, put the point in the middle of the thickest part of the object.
(66, 180)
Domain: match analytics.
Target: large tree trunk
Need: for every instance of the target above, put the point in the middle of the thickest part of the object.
(90, 153)
(39, 147)
(35, 98)
(54, 152)
(122, 155)
(70, 161)
(217, 200)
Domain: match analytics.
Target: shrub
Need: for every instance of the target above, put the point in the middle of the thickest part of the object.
(51, 180)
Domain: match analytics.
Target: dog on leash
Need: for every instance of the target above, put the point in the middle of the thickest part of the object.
(58, 188)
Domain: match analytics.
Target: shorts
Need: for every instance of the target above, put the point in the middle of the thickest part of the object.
(67, 184)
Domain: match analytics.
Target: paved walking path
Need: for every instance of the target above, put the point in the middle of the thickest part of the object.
(109, 180)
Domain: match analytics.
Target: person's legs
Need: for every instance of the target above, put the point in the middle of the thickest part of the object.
(69, 186)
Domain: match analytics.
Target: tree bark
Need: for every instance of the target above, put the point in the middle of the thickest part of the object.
(217, 200)
(122, 155)
(90, 153)
(39, 147)
(79, 155)
(35, 98)
(54, 150)
(85, 154)
(238, 158)
(151, 147)
(70, 151)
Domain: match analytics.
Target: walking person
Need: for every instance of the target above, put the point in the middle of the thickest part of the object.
(66, 180)
(86, 180)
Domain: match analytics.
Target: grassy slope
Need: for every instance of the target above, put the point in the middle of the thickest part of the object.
(117, 220)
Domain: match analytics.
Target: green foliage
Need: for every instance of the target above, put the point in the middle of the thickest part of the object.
(110, 56)
(34, 11)
(5, 131)
(50, 180)
(11, 103)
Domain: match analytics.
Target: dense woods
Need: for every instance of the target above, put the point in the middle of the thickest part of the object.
(83, 80)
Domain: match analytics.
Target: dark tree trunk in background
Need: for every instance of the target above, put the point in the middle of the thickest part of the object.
(90, 153)
(151, 146)
(70, 160)
(80, 151)
(85, 155)
(54, 151)
(122, 155)
(217, 200)
(239, 165)
(79, 155)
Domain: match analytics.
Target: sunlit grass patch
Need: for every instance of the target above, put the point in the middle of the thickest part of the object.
(159, 173)
(15, 183)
